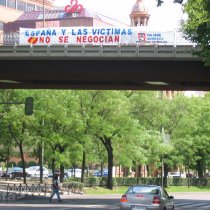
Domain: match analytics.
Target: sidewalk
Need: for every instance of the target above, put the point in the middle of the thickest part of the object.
(73, 200)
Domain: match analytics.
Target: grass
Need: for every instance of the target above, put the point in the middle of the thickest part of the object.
(102, 190)
(186, 189)
(122, 190)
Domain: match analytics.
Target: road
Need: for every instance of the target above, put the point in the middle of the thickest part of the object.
(183, 201)
(192, 201)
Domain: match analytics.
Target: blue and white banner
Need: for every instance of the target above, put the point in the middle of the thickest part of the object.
(93, 36)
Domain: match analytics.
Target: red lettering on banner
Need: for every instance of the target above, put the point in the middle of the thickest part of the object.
(98, 39)
(44, 39)
(63, 39)
(41, 40)
(79, 39)
(47, 40)
(117, 38)
(101, 39)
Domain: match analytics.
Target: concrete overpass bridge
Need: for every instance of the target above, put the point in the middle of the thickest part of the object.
(158, 67)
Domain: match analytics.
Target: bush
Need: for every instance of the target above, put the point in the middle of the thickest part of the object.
(103, 181)
(73, 187)
(128, 181)
(92, 181)
(192, 182)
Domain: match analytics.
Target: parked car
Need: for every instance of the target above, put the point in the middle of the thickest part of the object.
(34, 171)
(98, 173)
(145, 197)
(77, 172)
(14, 172)
(66, 173)
(176, 175)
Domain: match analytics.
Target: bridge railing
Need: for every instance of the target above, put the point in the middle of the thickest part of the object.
(122, 51)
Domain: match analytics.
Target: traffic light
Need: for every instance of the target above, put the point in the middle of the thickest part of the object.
(29, 102)
(159, 2)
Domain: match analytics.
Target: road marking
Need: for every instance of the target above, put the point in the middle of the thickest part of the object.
(191, 205)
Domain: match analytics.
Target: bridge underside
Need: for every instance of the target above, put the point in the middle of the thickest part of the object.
(117, 74)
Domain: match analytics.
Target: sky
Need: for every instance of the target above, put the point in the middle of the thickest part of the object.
(164, 18)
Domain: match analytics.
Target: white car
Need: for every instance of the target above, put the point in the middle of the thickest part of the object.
(176, 175)
(34, 171)
(78, 172)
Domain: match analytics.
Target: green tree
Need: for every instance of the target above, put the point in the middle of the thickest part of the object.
(5, 139)
(17, 124)
(197, 26)
(110, 122)
(191, 139)
(148, 108)
(160, 116)
(58, 110)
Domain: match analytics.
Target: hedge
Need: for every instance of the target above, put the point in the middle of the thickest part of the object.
(73, 187)
(128, 181)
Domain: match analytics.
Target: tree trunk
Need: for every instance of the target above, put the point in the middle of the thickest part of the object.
(200, 169)
(23, 161)
(41, 164)
(83, 166)
(102, 169)
(148, 171)
(20, 145)
(110, 166)
(108, 145)
(7, 160)
(61, 173)
(110, 163)
(139, 173)
(166, 170)
(61, 150)
(53, 167)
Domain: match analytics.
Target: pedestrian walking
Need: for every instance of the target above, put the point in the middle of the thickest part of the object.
(55, 187)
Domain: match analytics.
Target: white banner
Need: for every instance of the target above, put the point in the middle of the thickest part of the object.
(93, 36)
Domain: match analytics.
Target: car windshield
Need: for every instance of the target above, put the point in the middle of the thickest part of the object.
(144, 189)
(17, 169)
(14, 169)
(32, 168)
(10, 170)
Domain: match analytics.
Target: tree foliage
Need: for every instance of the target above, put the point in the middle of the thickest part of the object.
(197, 26)
(87, 129)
